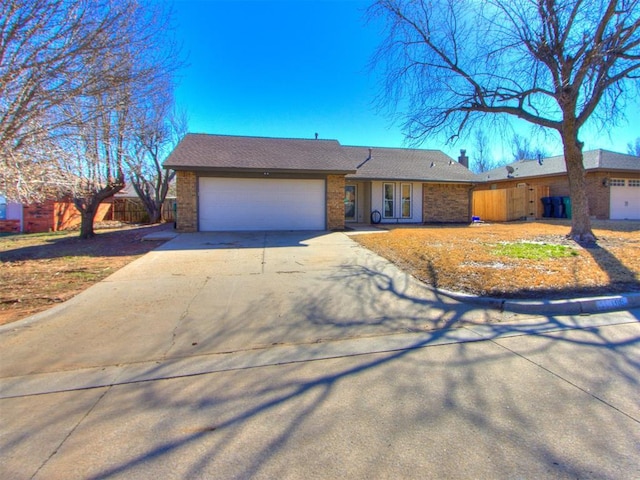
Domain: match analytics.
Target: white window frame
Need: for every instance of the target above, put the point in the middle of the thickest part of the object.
(384, 200)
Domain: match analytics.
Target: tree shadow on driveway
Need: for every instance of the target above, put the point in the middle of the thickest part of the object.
(499, 408)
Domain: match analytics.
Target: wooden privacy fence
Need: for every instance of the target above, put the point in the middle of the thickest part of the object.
(509, 204)
(131, 210)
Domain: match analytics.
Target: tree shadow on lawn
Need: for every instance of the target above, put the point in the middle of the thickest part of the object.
(109, 243)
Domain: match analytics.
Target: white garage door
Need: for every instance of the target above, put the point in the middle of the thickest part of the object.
(228, 204)
(625, 199)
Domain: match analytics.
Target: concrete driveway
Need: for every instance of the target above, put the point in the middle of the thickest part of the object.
(225, 292)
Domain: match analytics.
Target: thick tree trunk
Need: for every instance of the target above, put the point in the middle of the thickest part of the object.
(88, 206)
(87, 216)
(154, 214)
(580, 219)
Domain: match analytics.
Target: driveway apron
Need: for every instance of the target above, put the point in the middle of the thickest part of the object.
(206, 293)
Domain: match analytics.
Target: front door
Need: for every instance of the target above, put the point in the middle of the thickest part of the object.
(350, 207)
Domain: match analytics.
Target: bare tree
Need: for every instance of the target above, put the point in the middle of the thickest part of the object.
(158, 130)
(482, 161)
(522, 149)
(97, 162)
(99, 130)
(634, 149)
(553, 64)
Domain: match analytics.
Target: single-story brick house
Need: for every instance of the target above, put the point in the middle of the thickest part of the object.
(613, 181)
(256, 183)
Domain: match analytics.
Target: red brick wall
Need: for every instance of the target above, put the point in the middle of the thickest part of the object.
(9, 226)
(38, 217)
(53, 216)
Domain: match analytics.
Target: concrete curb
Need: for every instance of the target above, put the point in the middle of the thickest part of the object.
(572, 306)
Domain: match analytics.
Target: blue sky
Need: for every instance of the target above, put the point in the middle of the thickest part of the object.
(294, 68)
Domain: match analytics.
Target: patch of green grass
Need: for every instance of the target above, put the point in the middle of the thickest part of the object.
(83, 275)
(533, 251)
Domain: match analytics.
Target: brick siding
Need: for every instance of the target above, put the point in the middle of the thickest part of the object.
(9, 226)
(187, 209)
(446, 203)
(335, 202)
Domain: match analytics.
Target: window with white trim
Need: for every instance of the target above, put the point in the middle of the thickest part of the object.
(634, 183)
(389, 194)
(617, 182)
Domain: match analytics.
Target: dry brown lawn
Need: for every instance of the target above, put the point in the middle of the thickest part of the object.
(40, 270)
(471, 258)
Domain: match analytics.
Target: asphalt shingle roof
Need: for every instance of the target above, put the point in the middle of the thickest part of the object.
(237, 153)
(224, 152)
(592, 160)
(406, 164)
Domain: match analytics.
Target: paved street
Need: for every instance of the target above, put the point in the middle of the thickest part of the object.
(232, 357)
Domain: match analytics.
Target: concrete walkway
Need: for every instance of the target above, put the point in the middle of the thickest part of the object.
(306, 356)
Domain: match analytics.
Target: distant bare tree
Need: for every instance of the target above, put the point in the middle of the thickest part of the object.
(482, 161)
(522, 149)
(634, 149)
(555, 64)
(158, 131)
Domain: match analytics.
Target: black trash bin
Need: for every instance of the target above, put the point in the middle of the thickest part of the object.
(546, 204)
(558, 207)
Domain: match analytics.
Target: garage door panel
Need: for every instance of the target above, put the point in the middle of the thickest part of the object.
(261, 204)
(625, 199)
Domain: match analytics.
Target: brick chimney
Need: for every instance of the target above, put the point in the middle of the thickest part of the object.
(463, 159)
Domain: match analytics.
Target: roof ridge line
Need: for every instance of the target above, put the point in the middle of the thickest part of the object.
(264, 137)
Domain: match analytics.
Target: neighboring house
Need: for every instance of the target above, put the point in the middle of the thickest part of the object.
(47, 216)
(256, 183)
(613, 181)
